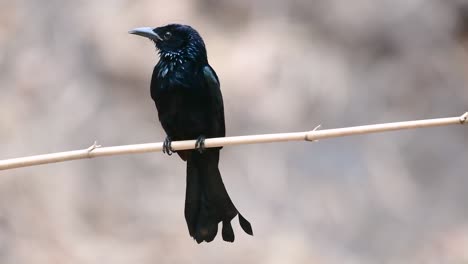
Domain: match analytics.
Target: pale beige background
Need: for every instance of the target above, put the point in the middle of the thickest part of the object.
(70, 74)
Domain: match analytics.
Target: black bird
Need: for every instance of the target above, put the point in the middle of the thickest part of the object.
(188, 98)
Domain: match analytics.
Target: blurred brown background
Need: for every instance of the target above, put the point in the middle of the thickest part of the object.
(70, 74)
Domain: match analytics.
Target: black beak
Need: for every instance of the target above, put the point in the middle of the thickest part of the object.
(146, 32)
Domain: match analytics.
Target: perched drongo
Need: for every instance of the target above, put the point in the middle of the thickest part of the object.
(186, 91)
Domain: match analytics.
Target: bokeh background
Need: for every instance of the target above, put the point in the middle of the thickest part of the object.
(70, 74)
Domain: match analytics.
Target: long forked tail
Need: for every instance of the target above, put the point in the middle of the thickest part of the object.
(206, 200)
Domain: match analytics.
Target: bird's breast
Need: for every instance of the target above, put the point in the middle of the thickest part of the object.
(174, 75)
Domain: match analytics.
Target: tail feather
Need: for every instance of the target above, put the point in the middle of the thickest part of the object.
(228, 233)
(192, 198)
(207, 202)
(246, 226)
(206, 229)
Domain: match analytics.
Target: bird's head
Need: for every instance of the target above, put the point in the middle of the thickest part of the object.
(174, 40)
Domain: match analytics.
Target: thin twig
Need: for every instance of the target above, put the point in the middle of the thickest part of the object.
(314, 135)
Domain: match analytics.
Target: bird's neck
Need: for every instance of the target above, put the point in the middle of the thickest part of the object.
(173, 59)
(184, 60)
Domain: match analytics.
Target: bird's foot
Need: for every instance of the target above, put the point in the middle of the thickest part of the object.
(167, 149)
(200, 144)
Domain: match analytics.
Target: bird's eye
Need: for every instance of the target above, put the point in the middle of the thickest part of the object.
(167, 35)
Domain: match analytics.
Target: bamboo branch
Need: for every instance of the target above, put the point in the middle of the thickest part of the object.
(98, 151)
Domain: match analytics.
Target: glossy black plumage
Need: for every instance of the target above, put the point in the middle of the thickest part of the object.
(188, 98)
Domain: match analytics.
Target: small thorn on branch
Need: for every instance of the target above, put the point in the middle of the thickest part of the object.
(463, 118)
(92, 147)
(308, 136)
